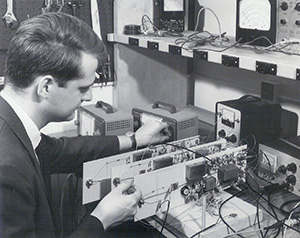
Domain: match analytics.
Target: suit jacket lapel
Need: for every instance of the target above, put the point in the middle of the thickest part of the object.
(11, 118)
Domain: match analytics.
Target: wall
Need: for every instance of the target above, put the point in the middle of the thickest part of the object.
(225, 11)
(144, 76)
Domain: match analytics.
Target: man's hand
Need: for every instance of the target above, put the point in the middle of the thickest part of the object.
(152, 132)
(118, 206)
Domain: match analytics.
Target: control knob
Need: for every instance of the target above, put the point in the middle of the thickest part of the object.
(282, 169)
(222, 133)
(297, 22)
(283, 21)
(231, 138)
(292, 167)
(291, 179)
(284, 6)
(297, 7)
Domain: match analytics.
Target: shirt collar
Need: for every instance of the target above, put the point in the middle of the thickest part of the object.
(30, 127)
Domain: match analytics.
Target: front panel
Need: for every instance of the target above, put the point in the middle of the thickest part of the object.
(228, 123)
(279, 167)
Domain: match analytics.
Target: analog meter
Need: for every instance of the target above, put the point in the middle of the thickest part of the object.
(256, 21)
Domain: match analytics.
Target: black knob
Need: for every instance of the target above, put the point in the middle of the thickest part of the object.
(297, 22)
(292, 167)
(116, 181)
(283, 21)
(284, 6)
(231, 138)
(282, 169)
(297, 7)
(291, 179)
(222, 133)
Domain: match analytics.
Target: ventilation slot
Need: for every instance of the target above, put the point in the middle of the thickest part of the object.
(117, 125)
(187, 124)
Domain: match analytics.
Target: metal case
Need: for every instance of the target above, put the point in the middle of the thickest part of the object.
(248, 118)
(103, 119)
(182, 123)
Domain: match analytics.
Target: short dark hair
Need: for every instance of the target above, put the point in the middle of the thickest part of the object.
(51, 43)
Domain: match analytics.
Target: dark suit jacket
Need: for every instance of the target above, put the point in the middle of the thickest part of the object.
(24, 204)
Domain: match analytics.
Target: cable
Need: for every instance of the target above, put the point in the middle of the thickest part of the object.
(280, 222)
(220, 208)
(289, 218)
(241, 232)
(272, 208)
(156, 32)
(257, 215)
(145, 28)
(165, 219)
(198, 18)
(205, 229)
(272, 47)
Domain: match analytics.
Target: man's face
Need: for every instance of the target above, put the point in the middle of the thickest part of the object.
(65, 100)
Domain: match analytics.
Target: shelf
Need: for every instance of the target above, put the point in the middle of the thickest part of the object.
(274, 63)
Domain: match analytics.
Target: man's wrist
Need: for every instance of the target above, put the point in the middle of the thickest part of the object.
(131, 136)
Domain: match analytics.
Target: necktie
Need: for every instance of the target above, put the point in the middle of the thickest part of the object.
(43, 152)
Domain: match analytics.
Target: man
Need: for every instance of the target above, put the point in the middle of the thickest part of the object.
(50, 68)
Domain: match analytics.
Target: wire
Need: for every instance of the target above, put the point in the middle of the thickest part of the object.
(241, 232)
(272, 208)
(145, 28)
(257, 214)
(205, 229)
(198, 18)
(156, 32)
(165, 219)
(289, 218)
(280, 222)
(277, 47)
(220, 209)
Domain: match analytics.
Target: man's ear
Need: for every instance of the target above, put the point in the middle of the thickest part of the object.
(44, 84)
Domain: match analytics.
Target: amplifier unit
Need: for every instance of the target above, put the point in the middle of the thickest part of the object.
(103, 119)
(182, 123)
(279, 162)
(248, 118)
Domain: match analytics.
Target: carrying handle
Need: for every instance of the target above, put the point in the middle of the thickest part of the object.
(169, 107)
(105, 106)
(250, 98)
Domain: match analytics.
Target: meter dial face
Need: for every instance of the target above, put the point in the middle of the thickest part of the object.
(255, 15)
(173, 5)
(228, 115)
